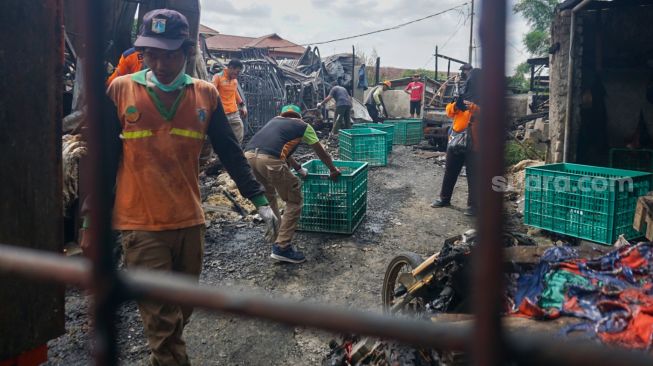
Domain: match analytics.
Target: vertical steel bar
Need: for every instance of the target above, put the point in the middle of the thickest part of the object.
(487, 343)
(98, 188)
(448, 68)
(377, 71)
(353, 70)
(436, 62)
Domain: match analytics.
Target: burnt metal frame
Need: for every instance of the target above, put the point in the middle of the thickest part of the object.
(488, 344)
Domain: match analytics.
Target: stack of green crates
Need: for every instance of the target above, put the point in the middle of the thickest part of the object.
(334, 207)
(407, 131)
(388, 128)
(363, 144)
(587, 202)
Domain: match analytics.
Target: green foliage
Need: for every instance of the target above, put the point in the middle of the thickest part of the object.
(538, 15)
(519, 81)
(515, 152)
(537, 42)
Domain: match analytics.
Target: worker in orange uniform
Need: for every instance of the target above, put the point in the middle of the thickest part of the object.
(162, 117)
(131, 61)
(234, 107)
(463, 112)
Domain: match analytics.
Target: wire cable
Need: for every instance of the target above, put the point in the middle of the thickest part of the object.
(377, 31)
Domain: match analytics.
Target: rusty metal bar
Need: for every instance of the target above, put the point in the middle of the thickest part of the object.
(488, 290)
(98, 181)
(181, 290)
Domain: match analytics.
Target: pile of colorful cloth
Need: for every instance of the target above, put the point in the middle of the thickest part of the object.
(613, 294)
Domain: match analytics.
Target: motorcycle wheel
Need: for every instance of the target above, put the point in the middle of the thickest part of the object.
(402, 263)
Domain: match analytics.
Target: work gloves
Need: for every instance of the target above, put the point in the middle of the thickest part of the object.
(319, 105)
(271, 221)
(302, 172)
(380, 109)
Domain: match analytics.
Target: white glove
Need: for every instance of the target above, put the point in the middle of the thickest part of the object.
(271, 221)
(319, 105)
(302, 172)
(380, 108)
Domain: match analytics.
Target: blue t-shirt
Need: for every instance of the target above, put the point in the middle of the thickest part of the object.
(340, 95)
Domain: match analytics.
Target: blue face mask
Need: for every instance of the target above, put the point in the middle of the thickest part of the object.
(176, 84)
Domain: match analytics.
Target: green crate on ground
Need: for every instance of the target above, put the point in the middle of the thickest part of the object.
(334, 207)
(407, 131)
(388, 128)
(632, 159)
(587, 202)
(363, 144)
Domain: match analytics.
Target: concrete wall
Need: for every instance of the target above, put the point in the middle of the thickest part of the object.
(558, 83)
(396, 101)
(613, 52)
(516, 106)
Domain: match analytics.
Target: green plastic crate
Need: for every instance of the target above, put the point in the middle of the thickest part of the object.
(587, 202)
(407, 131)
(388, 128)
(363, 144)
(632, 159)
(334, 207)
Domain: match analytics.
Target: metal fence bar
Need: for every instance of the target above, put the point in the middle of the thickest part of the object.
(176, 289)
(487, 347)
(97, 183)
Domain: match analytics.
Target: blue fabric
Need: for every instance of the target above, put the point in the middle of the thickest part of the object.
(531, 285)
(362, 78)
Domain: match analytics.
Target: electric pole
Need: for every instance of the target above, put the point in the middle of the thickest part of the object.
(471, 33)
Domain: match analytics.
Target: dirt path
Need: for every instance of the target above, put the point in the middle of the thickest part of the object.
(340, 270)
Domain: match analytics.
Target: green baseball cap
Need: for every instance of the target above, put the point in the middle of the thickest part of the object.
(291, 110)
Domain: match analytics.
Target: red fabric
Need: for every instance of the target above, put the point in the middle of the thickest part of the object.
(33, 357)
(416, 89)
(639, 330)
(529, 310)
(633, 260)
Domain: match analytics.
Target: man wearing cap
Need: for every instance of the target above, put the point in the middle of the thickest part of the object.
(465, 71)
(269, 152)
(162, 117)
(415, 89)
(227, 84)
(374, 102)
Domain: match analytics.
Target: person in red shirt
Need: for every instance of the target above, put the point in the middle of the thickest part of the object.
(416, 90)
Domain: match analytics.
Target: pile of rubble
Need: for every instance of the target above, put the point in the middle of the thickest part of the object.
(535, 134)
(73, 149)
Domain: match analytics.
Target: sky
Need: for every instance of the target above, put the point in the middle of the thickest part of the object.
(410, 47)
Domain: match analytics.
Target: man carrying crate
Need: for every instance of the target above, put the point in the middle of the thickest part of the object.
(269, 153)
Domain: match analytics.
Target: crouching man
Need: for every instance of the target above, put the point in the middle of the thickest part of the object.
(269, 154)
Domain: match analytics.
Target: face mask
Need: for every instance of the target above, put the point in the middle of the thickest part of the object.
(176, 84)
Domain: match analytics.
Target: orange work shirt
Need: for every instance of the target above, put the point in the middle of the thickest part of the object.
(461, 119)
(131, 61)
(157, 187)
(228, 90)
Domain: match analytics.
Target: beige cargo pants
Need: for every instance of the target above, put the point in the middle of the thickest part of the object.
(237, 126)
(277, 179)
(170, 251)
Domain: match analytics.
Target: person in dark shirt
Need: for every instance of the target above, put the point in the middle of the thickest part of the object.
(269, 153)
(342, 117)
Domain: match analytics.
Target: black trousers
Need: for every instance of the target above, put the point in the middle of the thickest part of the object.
(342, 118)
(416, 107)
(453, 165)
(374, 113)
